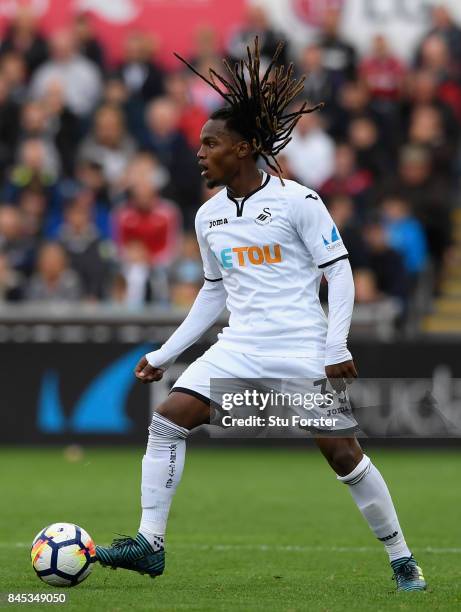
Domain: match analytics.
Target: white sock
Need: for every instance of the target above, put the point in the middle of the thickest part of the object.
(374, 501)
(162, 468)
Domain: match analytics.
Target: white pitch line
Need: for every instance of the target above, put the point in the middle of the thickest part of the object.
(302, 549)
(277, 548)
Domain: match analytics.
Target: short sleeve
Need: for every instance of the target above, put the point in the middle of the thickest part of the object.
(211, 269)
(316, 228)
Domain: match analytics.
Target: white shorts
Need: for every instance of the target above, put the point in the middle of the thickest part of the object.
(230, 372)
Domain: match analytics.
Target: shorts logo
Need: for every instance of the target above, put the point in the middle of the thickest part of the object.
(264, 218)
(335, 241)
(255, 255)
(216, 222)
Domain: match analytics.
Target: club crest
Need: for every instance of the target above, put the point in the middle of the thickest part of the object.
(265, 217)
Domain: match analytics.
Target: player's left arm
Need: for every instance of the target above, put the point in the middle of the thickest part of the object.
(321, 237)
(338, 359)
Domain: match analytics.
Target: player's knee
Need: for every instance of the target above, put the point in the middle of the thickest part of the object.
(167, 410)
(344, 458)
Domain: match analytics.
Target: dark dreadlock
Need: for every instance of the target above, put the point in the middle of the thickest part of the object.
(258, 110)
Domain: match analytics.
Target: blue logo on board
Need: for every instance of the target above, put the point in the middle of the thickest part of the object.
(101, 406)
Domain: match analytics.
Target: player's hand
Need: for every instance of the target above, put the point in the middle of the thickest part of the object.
(340, 372)
(147, 373)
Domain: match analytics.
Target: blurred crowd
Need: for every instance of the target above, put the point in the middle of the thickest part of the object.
(99, 183)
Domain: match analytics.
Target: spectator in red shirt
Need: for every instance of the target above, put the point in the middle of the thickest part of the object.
(382, 71)
(191, 116)
(150, 220)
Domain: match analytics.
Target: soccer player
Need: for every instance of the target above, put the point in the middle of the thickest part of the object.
(265, 244)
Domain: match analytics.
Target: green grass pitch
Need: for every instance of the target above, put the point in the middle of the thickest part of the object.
(250, 530)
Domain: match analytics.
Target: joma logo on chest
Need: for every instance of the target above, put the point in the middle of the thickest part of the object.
(216, 222)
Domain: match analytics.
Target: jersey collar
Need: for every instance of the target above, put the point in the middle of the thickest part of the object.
(239, 202)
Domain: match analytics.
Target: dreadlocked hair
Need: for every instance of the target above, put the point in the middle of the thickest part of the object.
(258, 109)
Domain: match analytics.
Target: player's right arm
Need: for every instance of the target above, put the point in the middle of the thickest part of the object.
(206, 309)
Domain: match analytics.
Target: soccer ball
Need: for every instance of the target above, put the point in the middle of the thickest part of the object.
(62, 554)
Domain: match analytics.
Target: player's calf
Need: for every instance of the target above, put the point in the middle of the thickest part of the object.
(162, 467)
(373, 499)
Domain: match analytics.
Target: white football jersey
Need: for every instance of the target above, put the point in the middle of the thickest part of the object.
(269, 249)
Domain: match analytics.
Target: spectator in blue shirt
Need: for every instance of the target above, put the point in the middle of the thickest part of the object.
(405, 234)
